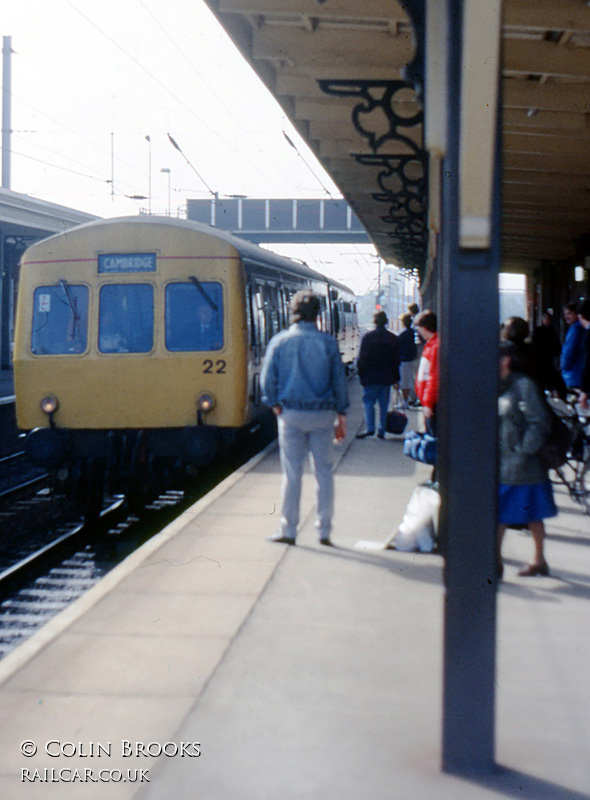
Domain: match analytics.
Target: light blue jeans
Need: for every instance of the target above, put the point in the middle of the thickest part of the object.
(300, 433)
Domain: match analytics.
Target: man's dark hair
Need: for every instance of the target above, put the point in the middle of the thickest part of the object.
(406, 320)
(427, 319)
(583, 309)
(413, 308)
(515, 329)
(572, 307)
(380, 318)
(304, 306)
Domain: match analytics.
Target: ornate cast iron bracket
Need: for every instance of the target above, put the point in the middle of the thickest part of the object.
(375, 96)
(402, 179)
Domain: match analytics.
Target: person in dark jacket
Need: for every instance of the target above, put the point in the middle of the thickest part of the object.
(525, 495)
(378, 367)
(408, 356)
(516, 330)
(545, 343)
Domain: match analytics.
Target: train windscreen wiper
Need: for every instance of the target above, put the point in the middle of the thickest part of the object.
(72, 304)
(70, 299)
(199, 286)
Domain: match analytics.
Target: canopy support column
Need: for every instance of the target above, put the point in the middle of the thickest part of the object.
(467, 468)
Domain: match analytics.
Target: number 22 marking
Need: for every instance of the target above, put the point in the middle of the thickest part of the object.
(209, 367)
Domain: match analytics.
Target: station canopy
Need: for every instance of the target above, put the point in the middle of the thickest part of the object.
(354, 77)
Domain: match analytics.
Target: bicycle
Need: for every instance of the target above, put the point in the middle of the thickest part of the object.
(574, 474)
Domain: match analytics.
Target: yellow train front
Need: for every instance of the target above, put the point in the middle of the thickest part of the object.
(138, 346)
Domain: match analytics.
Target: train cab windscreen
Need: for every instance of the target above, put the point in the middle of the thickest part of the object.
(60, 319)
(194, 316)
(126, 318)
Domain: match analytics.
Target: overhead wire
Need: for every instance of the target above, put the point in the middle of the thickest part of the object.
(160, 83)
(55, 166)
(115, 191)
(290, 141)
(175, 96)
(175, 144)
(136, 61)
(167, 89)
(208, 87)
(62, 124)
(74, 133)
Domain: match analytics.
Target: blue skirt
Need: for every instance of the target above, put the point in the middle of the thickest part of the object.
(519, 505)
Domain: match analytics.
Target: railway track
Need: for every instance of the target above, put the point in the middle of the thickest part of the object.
(17, 477)
(39, 586)
(57, 561)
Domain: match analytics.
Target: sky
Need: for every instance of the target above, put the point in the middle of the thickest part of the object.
(92, 80)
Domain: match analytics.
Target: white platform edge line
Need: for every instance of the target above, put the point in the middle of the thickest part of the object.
(31, 647)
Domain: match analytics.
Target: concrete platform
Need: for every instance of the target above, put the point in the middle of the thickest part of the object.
(302, 672)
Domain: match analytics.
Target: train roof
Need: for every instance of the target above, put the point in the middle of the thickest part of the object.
(247, 250)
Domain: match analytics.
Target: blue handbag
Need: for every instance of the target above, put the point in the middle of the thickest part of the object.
(420, 447)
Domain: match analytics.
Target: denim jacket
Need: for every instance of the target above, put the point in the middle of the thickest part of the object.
(303, 370)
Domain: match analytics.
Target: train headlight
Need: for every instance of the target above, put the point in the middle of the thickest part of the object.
(49, 404)
(206, 402)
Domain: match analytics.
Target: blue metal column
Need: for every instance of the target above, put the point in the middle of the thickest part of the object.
(467, 468)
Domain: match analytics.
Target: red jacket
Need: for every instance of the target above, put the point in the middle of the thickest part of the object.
(428, 376)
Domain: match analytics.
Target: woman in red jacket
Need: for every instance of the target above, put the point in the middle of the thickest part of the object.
(427, 379)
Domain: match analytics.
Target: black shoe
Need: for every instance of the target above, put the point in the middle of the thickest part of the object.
(535, 569)
(381, 436)
(326, 542)
(365, 434)
(278, 537)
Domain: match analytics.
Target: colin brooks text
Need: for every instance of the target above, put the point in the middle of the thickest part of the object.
(55, 748)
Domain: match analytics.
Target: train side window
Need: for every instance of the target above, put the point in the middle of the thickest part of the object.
(337, 318)
(284, 303)
(254, 337)
(272, 311)
(126, 318)
(323, 315)
(288, 293)
(261, 320)
(346, 314)
(60, 319)
(194, 317)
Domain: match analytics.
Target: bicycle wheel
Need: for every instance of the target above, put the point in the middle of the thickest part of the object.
(565, 475)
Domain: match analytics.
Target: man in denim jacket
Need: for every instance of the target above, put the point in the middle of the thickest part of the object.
(303, 382)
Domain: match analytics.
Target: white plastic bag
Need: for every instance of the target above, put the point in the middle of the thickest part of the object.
(417, 530)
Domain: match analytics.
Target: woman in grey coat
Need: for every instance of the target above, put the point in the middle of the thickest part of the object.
(525, 492)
